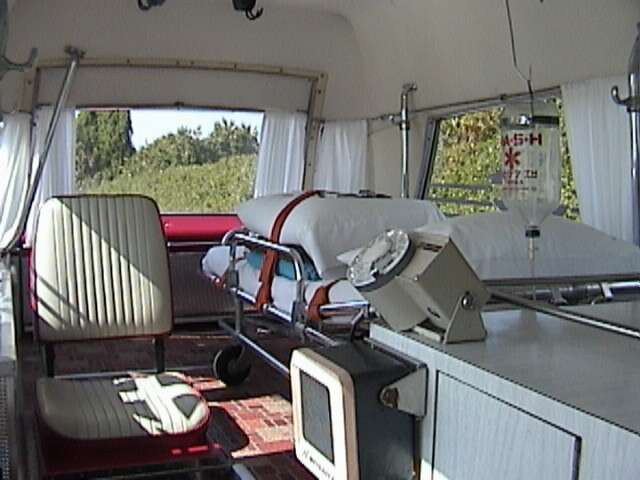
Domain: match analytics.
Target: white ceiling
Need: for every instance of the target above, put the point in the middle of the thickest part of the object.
(454, 49)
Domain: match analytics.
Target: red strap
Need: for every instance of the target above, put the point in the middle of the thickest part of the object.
(270, 261)
(320, 297)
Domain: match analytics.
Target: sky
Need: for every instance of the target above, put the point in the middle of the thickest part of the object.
(149, 125)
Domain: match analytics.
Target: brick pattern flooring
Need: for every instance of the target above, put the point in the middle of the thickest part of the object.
(252, 421)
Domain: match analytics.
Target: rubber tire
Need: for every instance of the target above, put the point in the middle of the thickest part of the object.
(226, 368)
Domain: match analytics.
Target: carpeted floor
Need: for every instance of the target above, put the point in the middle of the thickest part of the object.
(252, 421)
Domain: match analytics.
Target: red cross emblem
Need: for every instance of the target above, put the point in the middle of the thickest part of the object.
(511, 158)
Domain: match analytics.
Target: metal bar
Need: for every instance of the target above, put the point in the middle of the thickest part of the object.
(461, 186)
(178, 64)
(456, 108)
(614, 281)
(312, 133)
(261, 352)
(75, 55)
(405, 127)
(164, 107)
(343, 307)
(239, 237)
(429, 152)
(319, 337)
(456, 201)
(632, 104)
(582, 319)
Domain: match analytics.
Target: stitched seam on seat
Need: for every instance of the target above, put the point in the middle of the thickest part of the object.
(91, 287)
(81, 262)
(59, 264)
(135, 267)
(97, 261)
(147, 296)
(125, 258)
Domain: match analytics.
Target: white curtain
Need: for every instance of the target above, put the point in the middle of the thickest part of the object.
(341, 163)
(281, 156)
(599, 142)
(58, 175)
(15, 141)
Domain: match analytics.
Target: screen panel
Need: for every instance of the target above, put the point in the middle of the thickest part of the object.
(316, 415)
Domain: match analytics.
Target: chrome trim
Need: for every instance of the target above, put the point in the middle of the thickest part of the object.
(266, 356)
(565, 315)
(632, 104)
(405, 126)
(75, 56)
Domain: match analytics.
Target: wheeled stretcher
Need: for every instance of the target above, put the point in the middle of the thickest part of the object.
(319, 307)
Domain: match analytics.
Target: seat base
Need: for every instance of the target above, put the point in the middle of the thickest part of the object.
(98, 425)
(208, 458)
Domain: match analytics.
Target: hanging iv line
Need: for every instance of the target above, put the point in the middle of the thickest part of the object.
(530, 156)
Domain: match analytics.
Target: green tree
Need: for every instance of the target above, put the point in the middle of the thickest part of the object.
(185, 147)
(228, 139)
(103, 144)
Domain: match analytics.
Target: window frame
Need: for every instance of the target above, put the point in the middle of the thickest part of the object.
(435, 117)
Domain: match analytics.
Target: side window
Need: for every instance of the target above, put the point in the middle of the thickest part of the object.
(192, 161)
(466, 171)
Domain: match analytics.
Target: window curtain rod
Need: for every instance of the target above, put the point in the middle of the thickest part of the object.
(454, 108)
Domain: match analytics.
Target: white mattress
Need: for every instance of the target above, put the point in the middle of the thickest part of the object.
(495, 246)
(283, 290)
(327, 226)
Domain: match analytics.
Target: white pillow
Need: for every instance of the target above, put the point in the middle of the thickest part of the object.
(327, 226)
(495, 246)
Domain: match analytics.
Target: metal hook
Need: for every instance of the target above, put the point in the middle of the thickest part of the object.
(7, 65)
(251, 15)
(146, 5)
(615, 95)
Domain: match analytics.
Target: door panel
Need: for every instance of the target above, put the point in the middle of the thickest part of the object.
(478, 436)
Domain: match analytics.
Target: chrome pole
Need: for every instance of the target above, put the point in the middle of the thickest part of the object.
(405, 126)
(632, 104)
(75, 56)
(566, 315)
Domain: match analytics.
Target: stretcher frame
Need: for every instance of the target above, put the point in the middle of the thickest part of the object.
(297, 320)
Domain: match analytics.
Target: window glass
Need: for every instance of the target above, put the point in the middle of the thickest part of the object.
(466, 172)
(189, 161)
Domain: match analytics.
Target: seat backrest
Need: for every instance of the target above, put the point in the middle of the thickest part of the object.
(100, 269)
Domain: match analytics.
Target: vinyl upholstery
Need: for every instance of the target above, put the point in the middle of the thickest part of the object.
(121, 408)
(100, 269)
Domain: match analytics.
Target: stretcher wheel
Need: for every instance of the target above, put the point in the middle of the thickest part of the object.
(228, 367)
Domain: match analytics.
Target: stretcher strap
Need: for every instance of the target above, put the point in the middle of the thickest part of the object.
(268, 270)
(320, 297)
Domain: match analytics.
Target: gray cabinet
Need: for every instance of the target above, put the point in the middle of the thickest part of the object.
(482, 438)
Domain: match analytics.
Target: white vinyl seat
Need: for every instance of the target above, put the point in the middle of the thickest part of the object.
(100, 272)
(121, 408)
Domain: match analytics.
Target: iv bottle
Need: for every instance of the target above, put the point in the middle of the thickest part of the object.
(531, 164)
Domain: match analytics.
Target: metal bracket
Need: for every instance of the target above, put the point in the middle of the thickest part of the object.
(607, 294)
(556, 297)
(632, 104)
(409, 394)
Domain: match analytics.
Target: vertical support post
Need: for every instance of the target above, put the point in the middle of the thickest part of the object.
(159, 346)
(429, 151)
(632, 104)
(314, 122)
(75, 56)
(48, 359)
(405, 127)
